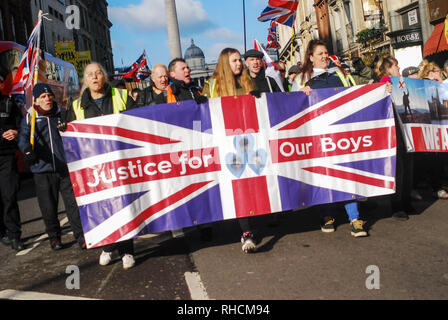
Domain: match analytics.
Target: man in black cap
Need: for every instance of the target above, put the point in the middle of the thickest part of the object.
(49, 167)
(362, 74)
(10, 116)
(254, 64)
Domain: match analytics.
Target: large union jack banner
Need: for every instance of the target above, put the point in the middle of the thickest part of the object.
(177, 165)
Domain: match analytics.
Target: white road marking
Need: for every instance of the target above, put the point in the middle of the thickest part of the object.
(195, 286)
(28, 295)
(39, 240)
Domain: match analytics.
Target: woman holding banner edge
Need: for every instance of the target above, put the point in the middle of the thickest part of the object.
(231, 79)
(316, 75)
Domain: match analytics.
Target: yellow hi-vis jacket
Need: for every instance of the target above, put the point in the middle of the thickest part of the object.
(119, 100)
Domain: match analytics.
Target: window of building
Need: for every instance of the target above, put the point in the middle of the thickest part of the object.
(13, 29)
(2, 35)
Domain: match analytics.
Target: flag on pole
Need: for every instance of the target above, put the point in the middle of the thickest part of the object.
(271, 69)
(281, 11)
(272, 36)
(138, 71)
(27, 65)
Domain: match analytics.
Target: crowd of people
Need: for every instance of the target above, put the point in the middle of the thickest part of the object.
(173, 83)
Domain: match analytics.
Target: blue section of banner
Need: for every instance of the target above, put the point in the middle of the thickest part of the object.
(185, 114)
(202, 209)
(376, 111)
(84, 148)
(96, 213)
(382, 166)
(295, 194)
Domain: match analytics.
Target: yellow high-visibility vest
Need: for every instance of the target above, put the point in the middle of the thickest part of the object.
(119, 100)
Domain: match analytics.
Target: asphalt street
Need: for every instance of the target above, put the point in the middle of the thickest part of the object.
(294, 261)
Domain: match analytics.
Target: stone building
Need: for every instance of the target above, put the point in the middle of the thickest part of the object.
(366, 28)
(15, 21)
(195, 58)
(93, 34)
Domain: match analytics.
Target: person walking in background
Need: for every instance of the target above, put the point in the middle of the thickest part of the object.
(49, 167)
(10, 117)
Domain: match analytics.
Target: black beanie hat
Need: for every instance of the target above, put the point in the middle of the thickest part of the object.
(40, 88)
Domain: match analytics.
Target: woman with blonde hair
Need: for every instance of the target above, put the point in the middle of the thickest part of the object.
(430, 71)
(229, 78)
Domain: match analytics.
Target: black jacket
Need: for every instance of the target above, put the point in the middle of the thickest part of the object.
(91, 109)
(48, 145)
(183, 92)
(10, 117)
(325, 80)
(261, 83)
(148, 97)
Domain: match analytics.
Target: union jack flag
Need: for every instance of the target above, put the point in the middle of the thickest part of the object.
(272, 36)
(172, 166)
(281, 11)
(138, 71)
(22, 79)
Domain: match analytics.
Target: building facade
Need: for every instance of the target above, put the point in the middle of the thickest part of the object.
(94, 30)
(53, 30)
(15, 21)
(360, 28)
(200, 70)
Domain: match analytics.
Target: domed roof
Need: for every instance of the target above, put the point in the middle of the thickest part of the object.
(193, 52)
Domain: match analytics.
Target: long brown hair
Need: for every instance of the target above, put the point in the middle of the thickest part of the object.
(307, 69)
(225, 80)
(383, 64)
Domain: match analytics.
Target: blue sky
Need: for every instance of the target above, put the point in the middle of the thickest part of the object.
(213, 24)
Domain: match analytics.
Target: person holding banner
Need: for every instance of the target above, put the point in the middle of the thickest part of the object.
(400, 201)
(98, 98)
(10, 117)
(49, 167)
(231, 79)
(316, 75)
(180, 82)
(432, 162)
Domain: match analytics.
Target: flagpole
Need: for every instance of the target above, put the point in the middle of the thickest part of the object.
(244, 23)
(292, 40)
(35, 79)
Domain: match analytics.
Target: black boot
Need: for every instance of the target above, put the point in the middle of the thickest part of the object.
(6, 241)
(56, 244)
(17, 244)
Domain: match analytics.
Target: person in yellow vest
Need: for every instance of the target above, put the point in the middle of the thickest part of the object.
(316, 75)
(98, 98)
(229, 78)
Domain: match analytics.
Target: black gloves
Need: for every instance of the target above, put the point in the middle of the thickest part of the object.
(62, 126)
(29, 156)
(200, 99)
(255, 93)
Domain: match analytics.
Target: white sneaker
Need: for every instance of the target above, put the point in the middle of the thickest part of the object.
(248, 243)
(105, 258)
(128, 261)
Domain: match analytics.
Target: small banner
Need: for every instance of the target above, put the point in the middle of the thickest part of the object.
(422, 108)
(83, 58)
(165, 167)
(65, 50)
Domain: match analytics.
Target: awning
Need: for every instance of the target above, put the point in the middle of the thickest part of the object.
(437, 41)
